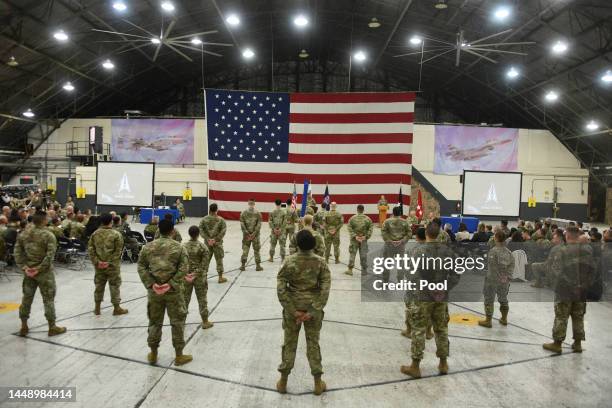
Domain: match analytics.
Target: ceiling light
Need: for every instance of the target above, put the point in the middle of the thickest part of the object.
(155, 40)
(502, 13)
(441, 5)
(416, 40)
(303, 54)
(512, 73)
(68, 86)
(120, 6)
(300, 21)
(28, 113)
(607, 77)
(248, 53)
(196, 41)
(108, 64)
(233, 20)
(360, 56)
(12, 62)
(551, 96)
(592, 126)
(60, 36)
(374, 23)
(559, 47)
(167, 6)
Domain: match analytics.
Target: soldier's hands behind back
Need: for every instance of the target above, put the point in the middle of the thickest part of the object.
(189, 277)
(160, 289)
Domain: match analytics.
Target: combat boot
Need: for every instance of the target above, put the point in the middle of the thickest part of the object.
(242, 268)
(281, 384)
(349, 271)
(55, 330)
(504, 312)
(319, 385)
(555, 347)
(577, 346)
(258, 267)
(337, 261)
(97, 309)
(118, 310)
(406, 333)
(429, 334)
(486, 322)
(222, 279)
(443, 366)
(412, 370)
(24, 328)
(206, 324)
(152, 356)
(271, 259)
(182, 359)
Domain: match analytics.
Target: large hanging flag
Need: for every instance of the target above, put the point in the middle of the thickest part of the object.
(400, 201)
(419, 207)
(260, 142)
(294, 198)
(326, 198)
(304, 198)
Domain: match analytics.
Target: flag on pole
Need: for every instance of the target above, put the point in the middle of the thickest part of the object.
(304, 198)
(294, 198)
(400, 201)
(326, 198)
(419, 207)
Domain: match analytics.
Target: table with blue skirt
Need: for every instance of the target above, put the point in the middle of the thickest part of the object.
(147, 214)
(470, 222)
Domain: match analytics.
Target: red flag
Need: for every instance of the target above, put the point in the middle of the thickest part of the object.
(419, 207)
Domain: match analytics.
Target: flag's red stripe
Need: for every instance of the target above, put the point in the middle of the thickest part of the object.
(235, 216)
(355, 199)
(353, 97)
(263, 177)
(397, 117)
(320, 138)
(350, 158)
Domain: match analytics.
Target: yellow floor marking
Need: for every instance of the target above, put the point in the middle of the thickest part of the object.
(8, 307)
(465, 318)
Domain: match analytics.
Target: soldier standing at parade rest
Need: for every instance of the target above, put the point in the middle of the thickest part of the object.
(319, 248)
(212, 230)
(105, 247)
(197, 277)
(303, 285)
(333, 222)
(290, 221)
(383, 207)
(319, 218)
(250, 224)
(162, 266)
(360, 229)
(277, 222)
(395, 233)
(175, 235)
(34, 252)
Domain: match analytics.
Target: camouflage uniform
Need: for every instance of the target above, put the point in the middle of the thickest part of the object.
(412, 220)
(214, 227)
(432, 304)
(66, 226)
(333, 222)
(197, 255)
(165, 261)
(106, 245)
(542, 270)
(443, 236)
(250, 223)
(35, 248)
(277, 221)
(319, 219)
(290, 220)
(359, 225)
(56, 231)
(175, 235)
(310, 201)
(410, 296)
(130, 243)
(394, 229)
(303, 284)
(151, 229)
(181, 209)
(497, 279)
(319, 247)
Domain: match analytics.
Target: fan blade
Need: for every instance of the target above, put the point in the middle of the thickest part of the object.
(510, 43)
(193, 35)
(197, 49)
(436, 56)
(179, 52)
(140, 28)
(496, 50)
(118, 33)
(490, 36)
(419, 52)
(480, 55)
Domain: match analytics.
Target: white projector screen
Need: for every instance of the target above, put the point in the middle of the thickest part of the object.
(123, 183)
(492, 193)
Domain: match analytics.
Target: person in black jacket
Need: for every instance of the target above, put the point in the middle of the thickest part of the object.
(480, 235)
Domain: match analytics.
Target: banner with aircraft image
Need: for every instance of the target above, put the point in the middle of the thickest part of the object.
(459, 148)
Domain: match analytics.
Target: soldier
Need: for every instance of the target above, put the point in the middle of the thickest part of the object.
(431, 304)
(412, 219)
(573, 271)
(212, 230)
(497, 280)
(310, 201)
(395, 233)
(409, 296)
(69, 202)
(67, 222)
(175, 235)
(542, 270)
(197, 277)
(320, 243)
(290, 221)
(55, 228)
(77, 229)
(105, 247)
(383, 207)
(319, 218)
(333, 222)
(151, 228)
(129, 241)
(162, 266)
(303, 285)
(360, 230)
(250, 223)
(504, 228)
(34, 252)
(36, 201)
(277, 221)
(181, 209)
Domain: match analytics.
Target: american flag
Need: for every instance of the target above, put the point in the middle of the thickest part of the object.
(260, 143)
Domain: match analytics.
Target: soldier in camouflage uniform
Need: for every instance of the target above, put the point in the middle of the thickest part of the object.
(175, 235)
(181, 209)
(542, 270)
(409, 296)
(162, 267)
(212, 230)
(497, 280)
(395, 233)
(310, 201)
(443, 235)
(360, 229)
(197, 277)
(105, 247)
(319, 218)
(34, 252)
(290, 220)
(333, 223)
(303, 285)
(129, 241)
(573, 270)
(151, 228)
(277, 221)
(431, 304)
(55, 228)
(319, 248)
(250, 224)
(412, 218)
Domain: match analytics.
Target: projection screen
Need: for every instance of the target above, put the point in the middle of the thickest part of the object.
(125, 183)
(492, 193)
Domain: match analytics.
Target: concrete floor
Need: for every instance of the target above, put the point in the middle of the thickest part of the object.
(235, 362)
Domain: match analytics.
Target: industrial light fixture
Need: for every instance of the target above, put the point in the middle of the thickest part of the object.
(155, 40)
(196, 41)
(551, 96)
(607, 77)
(374, 23)
(167, 6)
(360, 56)
(233, 20)
(592, 126)
(12, 62)
(441, 5)
(300, 20)
(416, 40)
(108, 64)
(501, 13)
(248, 53)
(68, 86)
(512, 73)
(559, 47)
(60, 36)
(28, 113)
(119, 5)
(303, 54)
